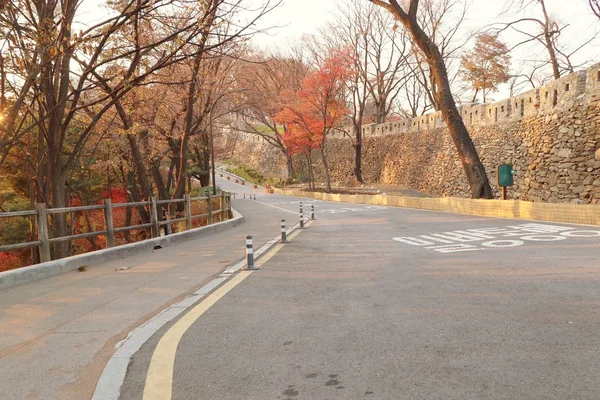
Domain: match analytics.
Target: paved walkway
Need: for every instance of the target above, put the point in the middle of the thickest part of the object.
(57, 334)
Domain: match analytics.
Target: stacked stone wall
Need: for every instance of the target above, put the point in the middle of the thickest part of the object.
(550, 135)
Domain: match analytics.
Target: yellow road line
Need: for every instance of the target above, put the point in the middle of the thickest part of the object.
(261, 261)
(159, 381)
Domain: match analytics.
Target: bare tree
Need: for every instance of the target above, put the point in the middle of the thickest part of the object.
(595, 6)
(474, 169)
(380, 63)
(546, 31)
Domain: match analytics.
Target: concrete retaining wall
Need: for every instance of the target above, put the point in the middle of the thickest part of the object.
(587, 214)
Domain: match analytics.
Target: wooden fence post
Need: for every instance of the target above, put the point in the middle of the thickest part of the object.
(188, 212)
(209, 210)
(43, 232)
(230, 213)
(108, 220)
(223, 208)
(154, 216)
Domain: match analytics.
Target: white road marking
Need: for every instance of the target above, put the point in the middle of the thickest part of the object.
(458, 241)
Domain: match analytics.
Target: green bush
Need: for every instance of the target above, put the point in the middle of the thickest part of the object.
(204, 191)
(248, 174)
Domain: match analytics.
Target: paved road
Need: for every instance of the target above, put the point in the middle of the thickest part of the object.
(385, 303)
(57, 334)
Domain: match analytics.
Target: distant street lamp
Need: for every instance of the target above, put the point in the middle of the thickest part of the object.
(212, 146)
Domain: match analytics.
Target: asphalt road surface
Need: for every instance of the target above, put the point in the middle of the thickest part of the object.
(387, 303)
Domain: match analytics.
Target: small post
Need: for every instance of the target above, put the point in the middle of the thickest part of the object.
(283, 231)
(254, 196)
(504, 193)
(312, 211)
(223, 208)
(209, 210)
(167, 225)
(188, 211)
(229, 213)
(43, 232)
(244, 194)
(154, 216)
(108, 221)
(250, 253)
(301, 219)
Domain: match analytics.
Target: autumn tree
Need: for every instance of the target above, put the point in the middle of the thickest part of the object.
(408, 16)
(59, 82)
(311, 114)
(487, 65)
(269, 78)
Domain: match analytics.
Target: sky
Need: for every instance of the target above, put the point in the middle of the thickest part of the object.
(300, 17)
(295, 18)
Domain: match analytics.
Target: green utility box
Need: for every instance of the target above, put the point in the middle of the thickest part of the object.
(505, 175)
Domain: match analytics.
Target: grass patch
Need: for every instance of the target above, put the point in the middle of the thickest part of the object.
(248, 174)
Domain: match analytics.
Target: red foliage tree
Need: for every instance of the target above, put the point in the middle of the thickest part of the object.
(311, 113)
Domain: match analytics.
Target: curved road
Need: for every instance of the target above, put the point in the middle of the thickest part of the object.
(387, 303)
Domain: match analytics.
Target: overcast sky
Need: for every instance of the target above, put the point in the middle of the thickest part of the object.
(307, 16)
(298, 17)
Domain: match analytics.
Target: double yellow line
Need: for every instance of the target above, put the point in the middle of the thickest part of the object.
(159, 381)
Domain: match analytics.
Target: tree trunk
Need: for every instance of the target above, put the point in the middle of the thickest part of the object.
(290, 162)
(140, 168)
(135, 196)
(474, 169)
(548, 39)
(59, 221)
(381, 112)
(325, 166)
(358, 152)
(311, 179)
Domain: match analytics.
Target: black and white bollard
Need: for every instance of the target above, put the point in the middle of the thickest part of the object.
(255, 197)
(283, 231)
(312, 211)
(250, 253)
(234, 195)
(244, 194)
(301, 219)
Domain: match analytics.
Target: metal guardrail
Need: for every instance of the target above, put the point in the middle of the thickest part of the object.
(156, 221)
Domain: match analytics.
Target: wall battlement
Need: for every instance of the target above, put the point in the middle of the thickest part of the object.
(558, 95)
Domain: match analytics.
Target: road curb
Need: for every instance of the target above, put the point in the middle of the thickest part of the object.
(114, 373)
(583, 214)
(48, 269)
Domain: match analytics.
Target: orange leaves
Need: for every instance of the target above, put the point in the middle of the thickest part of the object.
(310, 113)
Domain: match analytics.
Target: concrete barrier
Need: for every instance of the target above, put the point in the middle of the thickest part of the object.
(45, 270)
(586, 214)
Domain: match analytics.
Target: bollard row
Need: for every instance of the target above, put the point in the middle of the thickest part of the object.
(249, 243)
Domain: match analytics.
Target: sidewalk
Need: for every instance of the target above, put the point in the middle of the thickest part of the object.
(57, 334)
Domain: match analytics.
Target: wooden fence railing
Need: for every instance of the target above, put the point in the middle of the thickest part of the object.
(44, 240)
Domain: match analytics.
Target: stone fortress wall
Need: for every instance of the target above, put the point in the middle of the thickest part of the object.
(550, 135)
